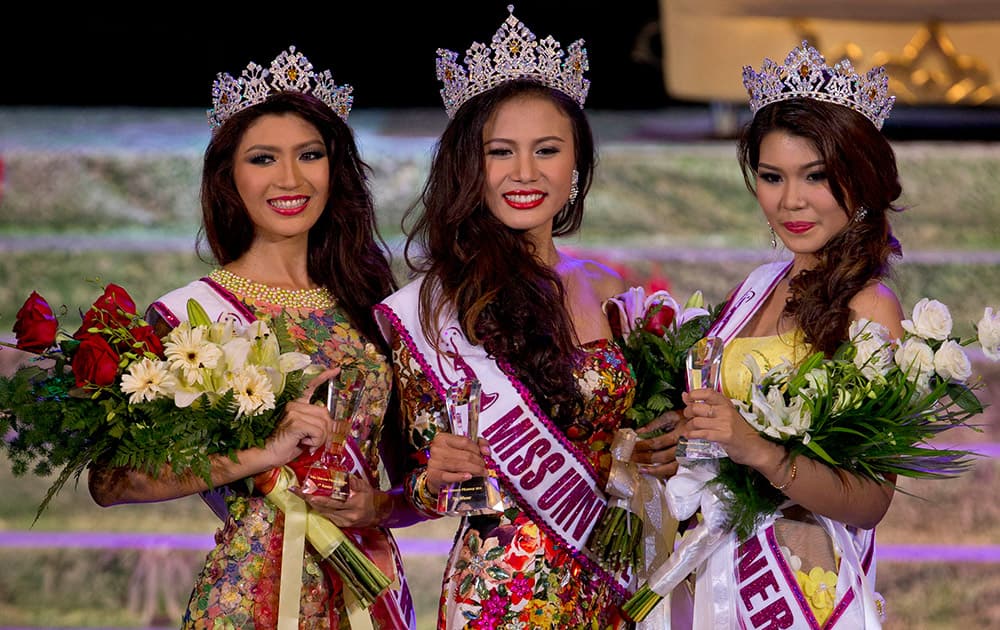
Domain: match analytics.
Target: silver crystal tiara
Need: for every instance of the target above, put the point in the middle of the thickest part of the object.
(805, 74)
(515, 55)
(290, 72)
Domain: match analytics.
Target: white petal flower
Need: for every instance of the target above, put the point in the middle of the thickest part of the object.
(931, 320)
(237, 351)
(292, 361)
(222, 332)
(873, 348)
(819, 383)
(146, 380)
(252, 389)
(188, 352)
(185, 395)
(916, 359)
(632, 305)
(988, 330)
(769, 414)
(951, 362)
(264, 348)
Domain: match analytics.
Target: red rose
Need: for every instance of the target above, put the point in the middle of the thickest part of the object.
(115, 307)
(35, 325)
(146, 336)
(95, 362)
(659, 319)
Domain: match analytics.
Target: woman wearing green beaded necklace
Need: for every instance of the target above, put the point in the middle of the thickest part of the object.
(289, 218)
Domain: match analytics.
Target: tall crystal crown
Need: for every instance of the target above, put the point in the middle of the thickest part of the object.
(290, 72)
(515, 55)
(806, 74)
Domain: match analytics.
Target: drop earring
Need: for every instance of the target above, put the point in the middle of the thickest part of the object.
(860, 214)
(774, 238)
(574, 189)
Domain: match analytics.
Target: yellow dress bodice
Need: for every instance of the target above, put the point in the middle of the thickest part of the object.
(767, 352)
(806, 546)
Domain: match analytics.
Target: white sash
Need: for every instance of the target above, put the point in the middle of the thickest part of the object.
(750, 585)
(536, 463)
(747, 298)
(218, 303)
(769, 596)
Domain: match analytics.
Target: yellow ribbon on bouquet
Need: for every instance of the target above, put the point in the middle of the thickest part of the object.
(302, 524)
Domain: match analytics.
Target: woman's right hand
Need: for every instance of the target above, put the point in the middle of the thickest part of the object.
(454, 458)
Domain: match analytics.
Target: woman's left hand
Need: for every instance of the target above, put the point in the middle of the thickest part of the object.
(656, 456)
(359, 509)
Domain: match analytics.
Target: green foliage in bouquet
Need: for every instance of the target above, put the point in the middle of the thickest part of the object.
(655, 341)
(113, 392)
(872, 409)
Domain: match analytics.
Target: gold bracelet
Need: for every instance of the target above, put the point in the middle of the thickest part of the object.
(424, 495)
(791, 478)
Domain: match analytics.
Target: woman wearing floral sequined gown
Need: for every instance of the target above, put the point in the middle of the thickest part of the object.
(496, 302)
(289, 218)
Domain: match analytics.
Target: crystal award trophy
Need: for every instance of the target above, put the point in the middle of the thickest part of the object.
(328, 475)
(479, 495)
(704, 360)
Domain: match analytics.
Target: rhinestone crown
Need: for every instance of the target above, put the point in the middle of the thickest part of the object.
(290, 72)
(515, 55)
(806, 74)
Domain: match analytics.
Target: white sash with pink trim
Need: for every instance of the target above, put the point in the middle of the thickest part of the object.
(532, 457)
(750, 585)
(769, 595)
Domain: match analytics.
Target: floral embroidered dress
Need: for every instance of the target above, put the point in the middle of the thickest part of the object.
(239, 585)
(505, 571)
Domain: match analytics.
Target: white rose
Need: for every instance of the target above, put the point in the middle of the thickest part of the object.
(874, 349)
(916, 359)
(931, 320)
(989, 334)
(951, 362)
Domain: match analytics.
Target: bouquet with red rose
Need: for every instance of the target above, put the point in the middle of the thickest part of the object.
(114, 391)
(654, 333)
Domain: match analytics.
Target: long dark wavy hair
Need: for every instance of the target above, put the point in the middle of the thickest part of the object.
(860, 166)
(347, 255)
(486, 273)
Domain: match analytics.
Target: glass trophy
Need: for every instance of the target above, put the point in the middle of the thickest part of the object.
(328, 475)
(704, 360)
(479, 495)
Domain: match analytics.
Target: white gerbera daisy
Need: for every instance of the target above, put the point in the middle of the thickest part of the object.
(189, 352)
(146, 380)
(252, 389)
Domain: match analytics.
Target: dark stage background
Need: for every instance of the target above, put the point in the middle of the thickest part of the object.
(164, 55)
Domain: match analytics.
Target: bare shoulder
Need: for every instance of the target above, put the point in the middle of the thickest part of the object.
(879, 303)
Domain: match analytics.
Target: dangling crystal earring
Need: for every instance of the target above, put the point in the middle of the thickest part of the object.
(860, 214)
(574, 189)
(774, 238)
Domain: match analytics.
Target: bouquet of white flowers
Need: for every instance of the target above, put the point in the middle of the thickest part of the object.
(872, 409)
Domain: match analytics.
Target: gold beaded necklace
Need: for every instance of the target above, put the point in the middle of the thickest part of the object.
(255, 292)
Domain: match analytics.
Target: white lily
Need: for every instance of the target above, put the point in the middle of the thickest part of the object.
(769, 414)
